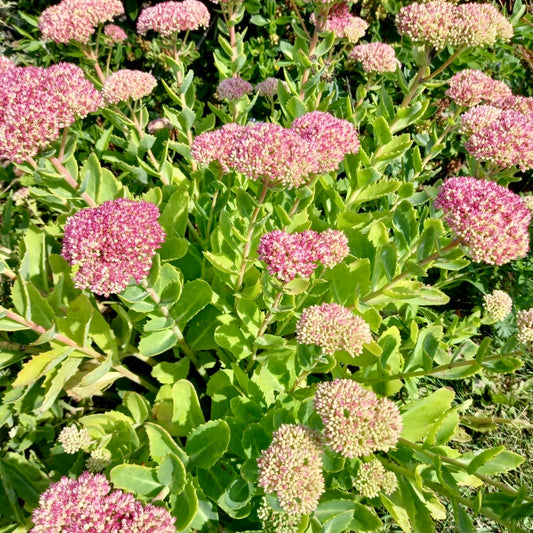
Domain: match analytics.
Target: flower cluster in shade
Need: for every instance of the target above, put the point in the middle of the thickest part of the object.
(292, 468)
(88, 504)
(343, 24)
(171, 17)
(273, 521)
(372, 478)
(498, 304)
(439, 23)
(77, 20)
(489, 219)
(125, 84)
(37, 103)
(333, 327)
(5, 64)
(267, 88)
(98, 460)
(528, 201)
(115, 33)
(112, 243)
(233, 88)
(315, 143)
(356, 422)
(288, 255)
(73, 439)
(470, 87)
(375, 57)
(524, 324)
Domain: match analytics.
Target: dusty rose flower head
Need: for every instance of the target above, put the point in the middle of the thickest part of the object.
(5, 64)
(332, 138)
(345, 25)
(333, 328)
(498, 304)
(277, 522)
(356, 422)
(37, 103)
(268, 88)
(471, 87)
(292, 468)
(173, 17)
(490, 220)
(524, 323)
(115, 33)
(233, 89)
(479, 118)
(87, 504)
(125, 84)
(522, 104)
(73, 439)
(112, 243)
(77, 20)
(376, 57)
(372, 478)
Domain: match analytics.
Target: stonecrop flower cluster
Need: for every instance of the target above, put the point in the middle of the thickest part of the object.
(498, 304)
(372, 478)
(345, 25)
(115, 33)
(288, 255)
(333, 327)
(267, 88)
(168, 18)
(492, 221)
(375, 57)
(73, 439)
(5, 64)
(524, 324)
(439, 23)
(125, 84)
(470, 87)
(292, 468)
(88, 504)
(356, 422)
(112, 243)
(37, 103)
(233, 88)
(273, 521)
(77, 20)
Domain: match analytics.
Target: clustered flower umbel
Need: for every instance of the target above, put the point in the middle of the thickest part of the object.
(233, 88)
(356, 422)
(273, 521)
(112, 243)
(125, 84)
(470, 87)
(37, 103)
(345, 25)
(168, 18)
(98, 460)
(333, 327)
(115, 33)
(375, 57)
(88, 504)
(292, 468)
(316, 142)
(492, 221)
(524, 324)
(288, 255)
(498, 304)
(5, 64)
(267, 88)
(73, 439)
(372, 478)
(77, 20)
(439, 23)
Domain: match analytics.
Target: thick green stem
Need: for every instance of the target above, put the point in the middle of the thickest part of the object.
(444, 66)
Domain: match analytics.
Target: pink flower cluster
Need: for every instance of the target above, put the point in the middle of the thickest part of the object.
(112, 243)
(439, 23)
(333, 328)
(87, 504)
(471, 87)
(77, 20)
(5, 64)
(173, 17)
(490, 220)
(345, 25)
(115, 33)
(376, 57)
(288, 255)
(292, 468)
(268, 87)
(37, 103)
(125, 84)
(233, 88)
(356, 422)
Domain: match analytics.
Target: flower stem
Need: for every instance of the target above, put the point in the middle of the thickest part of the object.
(444, 66)
(70, 180)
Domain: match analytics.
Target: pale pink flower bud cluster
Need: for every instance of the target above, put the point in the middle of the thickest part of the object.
(5, 64)
(77, 20)
(125, 84)
(498, 304)
(333, 327)
(524, 323)
(171, 17)
(267, 88)
(115, 33)
(375, 57)
(288, 255)
(112, 243)
(233, 88)
(528, 201)
(356, 422)
(37, 103)
(439, 23)
(372, 478)
(292, 468)
(490, 220)
(273, 521)
(345, 25)
(522, 104)
(73, 439)
(98, 460)
(471, 87)
(87, 504)
(479, 118)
